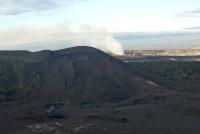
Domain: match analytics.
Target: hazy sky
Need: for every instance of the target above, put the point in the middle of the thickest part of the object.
(29, 21)
(112, 15)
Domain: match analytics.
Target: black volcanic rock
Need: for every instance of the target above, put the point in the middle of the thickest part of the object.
(75, 74)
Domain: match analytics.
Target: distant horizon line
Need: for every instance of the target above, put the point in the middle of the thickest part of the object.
(195, 48)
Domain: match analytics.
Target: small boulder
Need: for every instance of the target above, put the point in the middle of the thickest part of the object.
(56, 111)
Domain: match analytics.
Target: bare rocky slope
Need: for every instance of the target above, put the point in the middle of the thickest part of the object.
(76, 74)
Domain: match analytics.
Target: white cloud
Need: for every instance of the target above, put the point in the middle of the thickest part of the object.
(14, 7)
(55, 37)
(192, 13)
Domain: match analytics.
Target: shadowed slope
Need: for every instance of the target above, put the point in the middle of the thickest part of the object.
(78, 73)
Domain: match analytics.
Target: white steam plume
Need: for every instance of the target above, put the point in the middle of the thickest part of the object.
(58, 37)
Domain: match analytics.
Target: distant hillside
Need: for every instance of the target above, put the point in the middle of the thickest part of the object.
(172, 52)
(79, 73)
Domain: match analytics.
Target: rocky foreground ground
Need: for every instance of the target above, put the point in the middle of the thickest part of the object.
(159, 113)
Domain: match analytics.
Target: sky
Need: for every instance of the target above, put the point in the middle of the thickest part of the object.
(25, 24)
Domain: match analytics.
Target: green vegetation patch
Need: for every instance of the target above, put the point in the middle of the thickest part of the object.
(18, 76)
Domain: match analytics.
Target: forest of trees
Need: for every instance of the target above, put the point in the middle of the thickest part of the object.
(182, 76)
